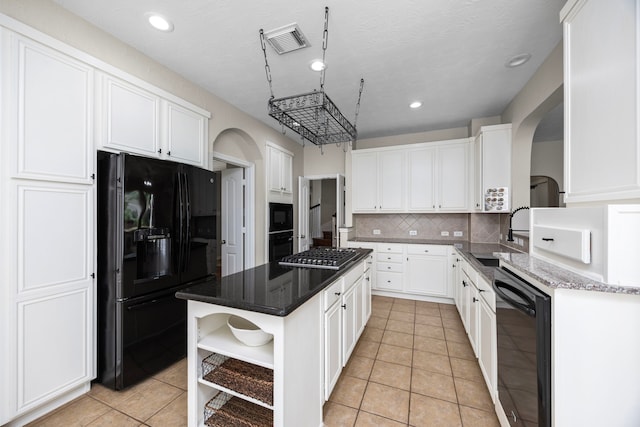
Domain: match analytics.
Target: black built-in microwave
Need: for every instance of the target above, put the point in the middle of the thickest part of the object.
(280, 217)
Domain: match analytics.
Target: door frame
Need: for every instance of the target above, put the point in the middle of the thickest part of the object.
(337, 177)
(249, 204)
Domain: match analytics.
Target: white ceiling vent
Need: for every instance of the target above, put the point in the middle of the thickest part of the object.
(286, 39)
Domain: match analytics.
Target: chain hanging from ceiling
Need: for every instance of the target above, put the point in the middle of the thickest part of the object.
(313, 115)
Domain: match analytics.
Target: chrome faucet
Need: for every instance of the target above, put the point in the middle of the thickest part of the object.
(510, 234)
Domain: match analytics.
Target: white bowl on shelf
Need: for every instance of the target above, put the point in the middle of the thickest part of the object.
(247, 333)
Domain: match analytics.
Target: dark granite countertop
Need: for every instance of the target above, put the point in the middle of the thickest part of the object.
(268, 288)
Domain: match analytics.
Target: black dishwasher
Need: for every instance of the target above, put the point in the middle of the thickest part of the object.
(523, 318)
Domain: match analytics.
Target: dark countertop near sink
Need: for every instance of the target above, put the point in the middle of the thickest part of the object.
(550, 275)
(268, 288)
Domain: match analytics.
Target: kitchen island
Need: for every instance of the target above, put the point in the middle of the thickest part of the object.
(283, 382)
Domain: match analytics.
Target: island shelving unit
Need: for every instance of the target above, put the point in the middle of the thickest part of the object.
(280, 383)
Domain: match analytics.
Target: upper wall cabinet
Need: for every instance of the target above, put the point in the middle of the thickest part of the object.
(601, 84)
(430, 177)
(492, 158)
(378, 181)
(51, 97)
(137, 120)
(280, 174)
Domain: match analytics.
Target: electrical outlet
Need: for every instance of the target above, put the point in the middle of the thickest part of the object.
(413, 232)
(457, 234)
(444, 233)
(519, 241)
(376, 231)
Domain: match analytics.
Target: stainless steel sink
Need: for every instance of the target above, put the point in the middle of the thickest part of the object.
(488, 260)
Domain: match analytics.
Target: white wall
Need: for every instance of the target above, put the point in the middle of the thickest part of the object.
(547, 159)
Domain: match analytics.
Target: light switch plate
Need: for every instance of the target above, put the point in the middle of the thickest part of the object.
(444, 233)
(376, 231)
(457, 234)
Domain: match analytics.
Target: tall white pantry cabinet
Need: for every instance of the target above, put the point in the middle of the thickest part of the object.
(47, 257)
(57, 106)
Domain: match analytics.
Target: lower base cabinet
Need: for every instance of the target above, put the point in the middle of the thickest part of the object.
(347, 310)
(487, 347)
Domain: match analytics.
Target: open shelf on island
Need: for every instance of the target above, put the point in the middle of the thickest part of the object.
(223, 342)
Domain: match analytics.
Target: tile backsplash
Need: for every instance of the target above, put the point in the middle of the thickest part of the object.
(480, 228)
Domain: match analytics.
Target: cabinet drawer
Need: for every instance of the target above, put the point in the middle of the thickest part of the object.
(389, 266)
(352, 276)
(332, 294)
(390, 248)
(389, 280)
(427, 250)
(390, 257)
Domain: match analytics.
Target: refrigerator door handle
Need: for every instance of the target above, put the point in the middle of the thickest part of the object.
(180, 223)
(187, 242)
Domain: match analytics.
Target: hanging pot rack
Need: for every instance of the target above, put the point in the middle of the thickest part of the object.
(312, 115)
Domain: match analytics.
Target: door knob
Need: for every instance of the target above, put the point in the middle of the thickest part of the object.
(224, 242)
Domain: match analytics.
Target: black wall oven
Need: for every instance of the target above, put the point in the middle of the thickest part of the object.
(523, 318)
(280, 245)
(280, 217)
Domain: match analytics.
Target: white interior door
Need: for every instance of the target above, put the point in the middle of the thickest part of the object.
(340, 208)
(304, 237)
(232, 224)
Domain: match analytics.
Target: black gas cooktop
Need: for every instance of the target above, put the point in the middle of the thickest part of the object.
(329, 258)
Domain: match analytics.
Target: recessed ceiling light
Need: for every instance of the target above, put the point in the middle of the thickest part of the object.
(415, 104)
(317, 65)
(159, 22)
(518, 60)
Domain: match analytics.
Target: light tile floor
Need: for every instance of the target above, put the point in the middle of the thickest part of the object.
(413, 366)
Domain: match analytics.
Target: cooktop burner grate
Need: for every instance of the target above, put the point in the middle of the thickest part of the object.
(329, 258)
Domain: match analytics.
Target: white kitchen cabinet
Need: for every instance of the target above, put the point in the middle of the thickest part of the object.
(333, 347)
(280, 174)
(492, 166)
(454, 177)
(426, 177)
(601, 95)
(130, 117)
(185, 134)
(371, 260)
(427, 267)
(378, 181)
(487, 345)
(138, 120)
(47, 259)
(352, 308)
(422, 179)
(474, 310)
(390, 266)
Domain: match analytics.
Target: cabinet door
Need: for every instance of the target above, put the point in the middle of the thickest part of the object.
(474, 310)
(185, 135)
(131, 118)
(332, 348)
(275, 161)
(465, 300)
(364, 187)
(602, 91)
(350, 312)
(427, 275)
(359, 307)
(391, 185)
(366, 299)
(286, 173)
(453, 174)
(51, 113)
(54, 290)
(478, 185)
(421, 186)
(487, 347)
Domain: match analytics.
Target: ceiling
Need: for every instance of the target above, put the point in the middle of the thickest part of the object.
(449, 54)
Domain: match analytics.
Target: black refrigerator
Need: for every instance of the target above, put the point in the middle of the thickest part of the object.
(156, 235)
